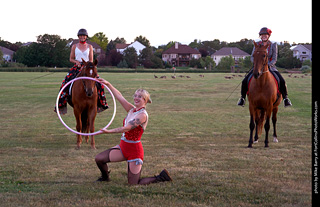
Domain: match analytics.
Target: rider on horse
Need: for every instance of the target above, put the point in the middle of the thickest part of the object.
(265, 34)
(79, 51)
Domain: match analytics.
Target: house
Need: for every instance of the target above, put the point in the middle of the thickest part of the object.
(7, 54)
(180, 55)
(302, 52)
(120, 47)
(235, 52)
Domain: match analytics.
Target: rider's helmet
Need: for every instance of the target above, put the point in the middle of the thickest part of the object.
(265, 30)
(82, 32)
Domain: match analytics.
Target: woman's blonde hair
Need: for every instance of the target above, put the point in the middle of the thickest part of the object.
(145, 94)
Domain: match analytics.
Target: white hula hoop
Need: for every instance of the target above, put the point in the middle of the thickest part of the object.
(74, 131)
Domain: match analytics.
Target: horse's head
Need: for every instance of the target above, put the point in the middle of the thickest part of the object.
(260, 59)
(89, 70)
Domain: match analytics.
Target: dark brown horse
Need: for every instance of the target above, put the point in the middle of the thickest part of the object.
(263, 97)
(84, 100)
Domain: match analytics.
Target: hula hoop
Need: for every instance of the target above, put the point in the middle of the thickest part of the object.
(74, 131)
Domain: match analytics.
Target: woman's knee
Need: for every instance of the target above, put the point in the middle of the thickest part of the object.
(99, 158)
(134, 172)
(103, 157)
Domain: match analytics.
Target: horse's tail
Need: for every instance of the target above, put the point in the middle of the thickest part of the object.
(261, 121)
(84, 121)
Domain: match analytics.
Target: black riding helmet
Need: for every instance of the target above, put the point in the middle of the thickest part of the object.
(82, 32)
(265, 30)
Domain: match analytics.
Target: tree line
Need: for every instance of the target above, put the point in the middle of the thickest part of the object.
(53, 51)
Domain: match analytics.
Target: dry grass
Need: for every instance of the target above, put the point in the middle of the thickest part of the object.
(193, 132)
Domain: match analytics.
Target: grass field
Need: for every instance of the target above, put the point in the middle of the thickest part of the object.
(195, 134)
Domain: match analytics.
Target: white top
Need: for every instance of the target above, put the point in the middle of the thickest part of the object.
(79, 54)
(132, 115)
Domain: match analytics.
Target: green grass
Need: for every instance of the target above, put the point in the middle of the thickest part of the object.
(193, 132)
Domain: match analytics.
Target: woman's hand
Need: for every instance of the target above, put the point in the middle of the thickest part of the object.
(126, 105)
(78, 64)
(103, 81)
(104, 131)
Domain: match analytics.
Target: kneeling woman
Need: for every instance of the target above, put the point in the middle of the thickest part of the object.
(130, 148)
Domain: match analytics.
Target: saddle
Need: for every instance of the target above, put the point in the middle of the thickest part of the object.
(276, 79)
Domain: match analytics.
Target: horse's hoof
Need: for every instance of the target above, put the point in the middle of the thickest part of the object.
(255, 142)
(275, 140)
(249, 146)
(94, 148)
(77, 147)
(266, 146)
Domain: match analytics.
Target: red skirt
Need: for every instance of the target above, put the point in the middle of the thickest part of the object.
(133, 152)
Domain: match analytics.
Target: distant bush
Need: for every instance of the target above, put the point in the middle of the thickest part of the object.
(122, 64)
(12, 64)
(306, 69)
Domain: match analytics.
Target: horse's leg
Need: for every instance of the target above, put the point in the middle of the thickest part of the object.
(274, 122)
(87, 129)
(256, 136)
(257, 121)
(251, 126)
(87, 137)
(77, 114)
(91, 119)
(267, 128)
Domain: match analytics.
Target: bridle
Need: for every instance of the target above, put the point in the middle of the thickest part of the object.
(263, 66)
(83, 82)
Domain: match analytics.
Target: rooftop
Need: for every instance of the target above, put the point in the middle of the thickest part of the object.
(182, 49)
(230, 51)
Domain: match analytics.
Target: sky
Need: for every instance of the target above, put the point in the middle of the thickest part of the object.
(159, 21)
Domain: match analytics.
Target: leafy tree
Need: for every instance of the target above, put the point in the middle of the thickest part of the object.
(122, 64)
(111, 46)
(149, 60)
(170, 44)
(1, 54)
(226, 63)
(145, 54)
(195, 63)
(131, 57)
(195, 44)
(246, 62)
(49, 51)
(207, 62)
(100, 39)
(54, 51)
(288, 62)
(143, 40)
(120, 40)
(114, 57)
(157, 62)
(307, 62)
(285, 57)
(158, 53)
(14, 47)
(204, 52)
